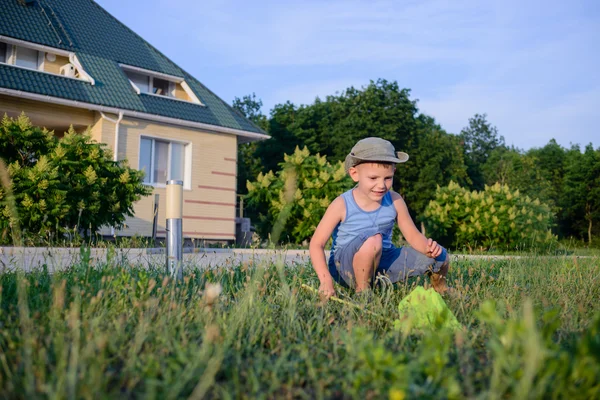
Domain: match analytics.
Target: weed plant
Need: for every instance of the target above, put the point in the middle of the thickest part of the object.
(531, 330)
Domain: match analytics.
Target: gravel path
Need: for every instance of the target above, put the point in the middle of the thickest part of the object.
(28, 258)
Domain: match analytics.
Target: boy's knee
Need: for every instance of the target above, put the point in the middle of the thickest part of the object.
(373, 244)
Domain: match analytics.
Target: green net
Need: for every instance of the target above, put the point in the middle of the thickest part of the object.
(424, 311)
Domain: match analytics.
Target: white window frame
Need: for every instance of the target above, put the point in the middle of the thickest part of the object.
(187, 162)
(14, 57)
(172, 79)
(42, 51)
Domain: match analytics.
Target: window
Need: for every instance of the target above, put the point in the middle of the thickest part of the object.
(3, 48)
(27, 58)
(139, 80)
(164, 160)
(42, 58)
(161, 87)
(159, 84)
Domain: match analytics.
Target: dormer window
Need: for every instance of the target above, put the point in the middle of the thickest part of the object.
(141, 81)
(154, 83)
(22, 54)
(163, 87)
(27, 58)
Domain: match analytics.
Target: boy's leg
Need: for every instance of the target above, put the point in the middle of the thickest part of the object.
(401, 263)
(357, 261)
(365, 262)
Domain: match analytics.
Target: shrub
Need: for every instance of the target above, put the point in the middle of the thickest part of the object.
(56, 185)
(496, 217)
(297, 196)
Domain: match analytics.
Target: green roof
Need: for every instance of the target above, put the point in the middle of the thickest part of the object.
(101, 42)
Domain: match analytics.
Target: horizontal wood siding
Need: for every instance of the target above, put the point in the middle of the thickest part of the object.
(208, 213)
(54, 66)
(45, 114)
(180, 93)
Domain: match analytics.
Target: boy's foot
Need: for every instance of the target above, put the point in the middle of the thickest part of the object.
(438, 282)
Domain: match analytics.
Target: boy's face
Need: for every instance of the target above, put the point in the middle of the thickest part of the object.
(374, 180)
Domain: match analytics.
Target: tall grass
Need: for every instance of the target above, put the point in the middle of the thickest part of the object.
(532, 330)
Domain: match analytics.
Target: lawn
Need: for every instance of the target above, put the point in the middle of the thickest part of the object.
(531, 330)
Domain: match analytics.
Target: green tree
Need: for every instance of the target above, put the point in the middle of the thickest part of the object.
(293, 200)
(282, 139)
(332, 126)
(436, 159)
(480, 138)
(22, 142)
(549, 164)
(248, 163)
(581, 190)
(63, 184)
(495, 217)
(509, 166)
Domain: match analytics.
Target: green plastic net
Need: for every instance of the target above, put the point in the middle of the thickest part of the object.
(424, 310)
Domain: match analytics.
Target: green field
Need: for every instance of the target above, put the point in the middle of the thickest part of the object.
(531, 330)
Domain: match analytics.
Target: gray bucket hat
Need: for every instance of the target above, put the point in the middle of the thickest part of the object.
(373, 149)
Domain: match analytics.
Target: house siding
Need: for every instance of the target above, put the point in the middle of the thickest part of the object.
(209, 203)
(48, 115)
(180, 93)
(53, 67)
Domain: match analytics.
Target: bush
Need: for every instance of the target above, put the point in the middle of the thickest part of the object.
(51, 186)
(297, 196)
(494, 218)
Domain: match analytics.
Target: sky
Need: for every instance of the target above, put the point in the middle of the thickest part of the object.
(531, 66)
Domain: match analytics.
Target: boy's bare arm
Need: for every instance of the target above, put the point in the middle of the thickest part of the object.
(333, 215)
(410, 232)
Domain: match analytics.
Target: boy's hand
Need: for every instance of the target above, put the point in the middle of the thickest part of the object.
(326, 290)
(433, 249)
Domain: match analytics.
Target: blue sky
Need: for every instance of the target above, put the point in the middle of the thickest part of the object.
(532, 66)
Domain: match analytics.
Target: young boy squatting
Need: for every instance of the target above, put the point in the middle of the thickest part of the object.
(361, 220)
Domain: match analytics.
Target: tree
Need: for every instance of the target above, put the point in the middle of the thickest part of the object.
(249, 164)
(436, 159)
(496, 217)
(332, 126)
(60, 185)
(22, 142)
(480, 139)
(581, 190)
(509, 166)
(282, 140)
(293, 200)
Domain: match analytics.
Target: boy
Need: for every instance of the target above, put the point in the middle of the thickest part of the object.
(361, 221)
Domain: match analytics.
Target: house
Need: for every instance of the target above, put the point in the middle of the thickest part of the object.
(69, 62)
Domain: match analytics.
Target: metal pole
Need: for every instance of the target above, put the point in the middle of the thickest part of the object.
(174, 212)
(155, 218)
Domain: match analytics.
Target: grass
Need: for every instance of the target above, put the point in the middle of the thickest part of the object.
(531, 330)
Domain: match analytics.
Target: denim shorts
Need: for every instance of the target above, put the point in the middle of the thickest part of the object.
(397, 263)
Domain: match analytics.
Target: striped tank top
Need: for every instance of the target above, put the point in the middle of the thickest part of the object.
(358, 221)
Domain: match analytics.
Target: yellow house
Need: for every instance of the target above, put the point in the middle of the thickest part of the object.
(69, 62)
